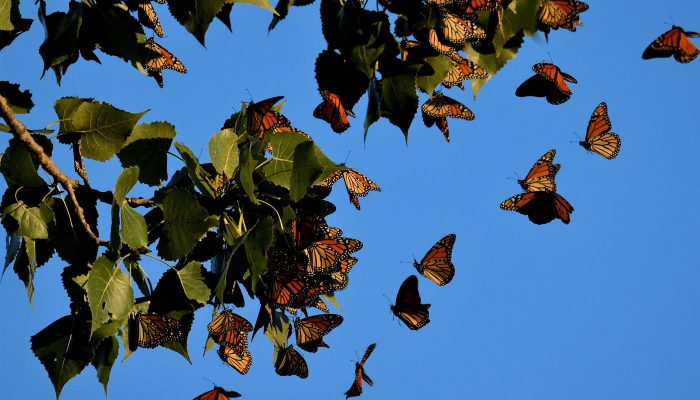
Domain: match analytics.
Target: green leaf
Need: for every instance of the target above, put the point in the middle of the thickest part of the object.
(7, 37)
(374, 96)
(201, 178)
(491, 64)
(305, 170)
(18, 166)
(60, 47)
(134, 232)
(367, 37)
(5, 22)
(103, 128)
(399, 98)
(193, 282)
(259, 3)
(125, 182)
(74, 279)
(278, 330)
(223, 151)
(109, 293)
(20, 101)
(180, 346)
(332, 299)
(103, 360)
(196, 16)
(184, 223)
(247, 167)
(33, 222)
(282, 145)
(25, 266)
(72, 243)
(147, 147)
(13, 244)
(256, 247)
(64, 349)
(119, 40)
(225, 15)
(433, 72)
(139, 276)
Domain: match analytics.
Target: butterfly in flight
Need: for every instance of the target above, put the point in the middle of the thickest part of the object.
(540, 207)
(549, 81)
(439, 107)
(437, 263)
(218, 393)
(674, 43)
(541, 175)
(599, 139)
(152, 330)
(239, 360)
(310, 331)
(332, 111)
(356, 184)
(408, 305)
(360, 375)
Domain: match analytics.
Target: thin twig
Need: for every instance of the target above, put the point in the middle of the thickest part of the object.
(78, 163)
(21, 133)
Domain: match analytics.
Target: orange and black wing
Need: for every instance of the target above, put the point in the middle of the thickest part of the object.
(599, 139)
(439, 107)
(437, 263)
(408, 305)
(241, 362)
(358, 185)
(153, 330)
(159, 58)
(540, 207)
(227, 320)
(260, 117)
(540, 178)
(332, 111)
(290, 362)
(674, 42)
(218, 393)
(310, 331)
(325, 254)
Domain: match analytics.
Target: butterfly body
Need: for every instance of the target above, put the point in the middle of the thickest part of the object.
(218, 393)
(356, 184)
(549, 81)
(310, 331)
(541, 175)
(152, 330)
(360, 375)
(439, 107)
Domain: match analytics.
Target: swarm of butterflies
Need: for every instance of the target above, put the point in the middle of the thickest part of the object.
(320, 258)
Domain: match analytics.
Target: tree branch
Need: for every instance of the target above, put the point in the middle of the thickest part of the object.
(21, 133)
(78, 163)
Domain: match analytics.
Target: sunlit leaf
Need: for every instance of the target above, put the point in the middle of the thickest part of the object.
(201, 178)
(109, 293)
(184, 223)
(192, 280)
(32, 222)
(433, 72)
(256, 246)
(223, 151)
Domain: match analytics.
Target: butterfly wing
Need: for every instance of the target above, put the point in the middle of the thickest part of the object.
(241, 362)
(290, 362)
(159, 58)
(258, 115)
(408, 307)
(311, 330)
(541, 175)
(218, 393)
(332, 111)
(324, 254)
(154, 330)
(437, 263)
(558, 91)
(540, 207)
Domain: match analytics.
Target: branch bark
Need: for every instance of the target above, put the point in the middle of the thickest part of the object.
(20, 132)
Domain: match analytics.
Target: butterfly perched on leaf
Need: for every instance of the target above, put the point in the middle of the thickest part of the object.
(218, 393)
(555, 14)
(599, 139)
(333, 111)
(260, 117)
(146, 15)
(290, 362)
(152, 330)
(356, 184)
(325, 254)
(673, 42)
(549, 81)
(360, 375)
(230, 329)
(437, 263)
(540, 207)
(408, 305)
(462, 70)
(457, 30)
(310, 331)
(540, 178)
(239, 360)
(439, 107)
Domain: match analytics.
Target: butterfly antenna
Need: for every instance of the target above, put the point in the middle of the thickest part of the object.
(249, 94)
(209, 380)
(550, 57)
(578, 138)
(387, 299)
(346, 159)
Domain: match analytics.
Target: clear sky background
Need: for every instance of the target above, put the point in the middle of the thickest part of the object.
(607, 307)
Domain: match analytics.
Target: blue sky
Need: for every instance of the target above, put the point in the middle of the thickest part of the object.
(604, 308)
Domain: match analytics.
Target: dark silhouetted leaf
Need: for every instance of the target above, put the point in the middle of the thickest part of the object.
(60, 47)
(103, 360)
(184, 223)
(256, 246)
(147, 147)
(432, 72)
(20, 101)
(399, 98)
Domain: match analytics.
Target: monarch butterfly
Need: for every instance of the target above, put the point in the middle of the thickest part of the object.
(157, 75)
(218, 393)
(356, 184)
(437, 263)
(153, 330)
(332, 111)
(599, 139)
(260, 115)
(310, 224)
(549, 81)
(408, 305)
(147, 17)
(290, 362)
(439, 107)
(462, 70)
(159, 58)
(227, 320)
(241, 362)
(324, 254)
(285, 288)
(310, 331)
(541, 175)
(340, 277)
(438, 45)
(674, 43)
(540, 207)
(458, 30)
(560, 13)
(162, 1)
(356, 388)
